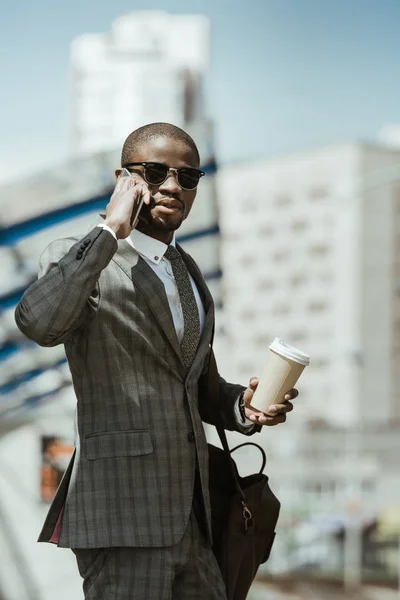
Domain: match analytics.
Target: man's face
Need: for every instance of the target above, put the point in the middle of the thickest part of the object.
(170, 204)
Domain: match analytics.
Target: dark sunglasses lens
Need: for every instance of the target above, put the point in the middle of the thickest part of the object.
(188, 178)
(155, 174)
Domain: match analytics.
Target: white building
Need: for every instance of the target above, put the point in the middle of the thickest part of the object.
(311, 254)
(149, 67)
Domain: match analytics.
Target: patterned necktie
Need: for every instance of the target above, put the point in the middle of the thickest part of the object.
(191, 320)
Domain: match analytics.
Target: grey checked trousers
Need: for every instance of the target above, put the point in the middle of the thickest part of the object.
(186, 571)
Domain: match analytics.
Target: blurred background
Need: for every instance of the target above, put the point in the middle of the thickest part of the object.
(295, 107)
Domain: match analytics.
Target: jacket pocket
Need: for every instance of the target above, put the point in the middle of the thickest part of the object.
(116, 444)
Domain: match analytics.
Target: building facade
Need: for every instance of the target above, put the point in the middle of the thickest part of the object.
(136, 74)
(310, 253)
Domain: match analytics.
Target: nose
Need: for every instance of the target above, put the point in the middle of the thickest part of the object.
(171, 183)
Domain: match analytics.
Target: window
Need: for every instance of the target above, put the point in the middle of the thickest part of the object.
(246, 369)
(247, 315)
(281, 309)
(263, 339)
(320, 249)
(320, 362)
(367, 485)
(299, 225)
(318, 193)
(325, 277)
(267, 285)
(281, 255)
(297, 280)
(297, 336)
(267, 230)
(249, 205)
(283, 200)
(317, 488)
(317, 306)
(246, 260)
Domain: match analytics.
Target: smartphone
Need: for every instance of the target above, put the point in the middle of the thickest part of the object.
(138, 201)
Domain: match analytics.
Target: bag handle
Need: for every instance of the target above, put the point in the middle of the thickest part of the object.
(224, 442)
(213, 393)
(264, 456)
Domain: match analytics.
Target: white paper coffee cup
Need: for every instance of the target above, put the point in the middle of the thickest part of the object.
(283, 368)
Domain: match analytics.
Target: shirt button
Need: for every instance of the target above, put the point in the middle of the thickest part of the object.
(156, 258)
(190, 437)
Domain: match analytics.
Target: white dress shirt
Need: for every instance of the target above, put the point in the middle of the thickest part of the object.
(153, 251)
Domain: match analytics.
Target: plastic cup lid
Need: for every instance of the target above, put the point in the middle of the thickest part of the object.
(289, 352)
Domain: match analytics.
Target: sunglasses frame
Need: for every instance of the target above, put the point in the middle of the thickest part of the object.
(169, 169)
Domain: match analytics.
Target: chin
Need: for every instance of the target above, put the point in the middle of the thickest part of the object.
(166, 224)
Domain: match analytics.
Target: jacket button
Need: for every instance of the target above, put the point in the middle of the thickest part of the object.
(86, 242)
(190, 437)
(79, 256)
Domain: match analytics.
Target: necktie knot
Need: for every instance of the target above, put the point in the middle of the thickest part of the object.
(172, 254)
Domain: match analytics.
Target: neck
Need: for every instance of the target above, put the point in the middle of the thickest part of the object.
(158, 234)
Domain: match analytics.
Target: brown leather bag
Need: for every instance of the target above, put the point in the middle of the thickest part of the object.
(244, 510)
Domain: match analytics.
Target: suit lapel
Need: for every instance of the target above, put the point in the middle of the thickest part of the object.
(151, 287)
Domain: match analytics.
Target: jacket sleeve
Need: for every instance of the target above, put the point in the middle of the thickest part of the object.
(221, 410)
(66, 294)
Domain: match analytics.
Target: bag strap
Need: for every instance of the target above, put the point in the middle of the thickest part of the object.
(213, 393)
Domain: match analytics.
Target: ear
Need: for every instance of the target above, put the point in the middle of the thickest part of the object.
(117, 173)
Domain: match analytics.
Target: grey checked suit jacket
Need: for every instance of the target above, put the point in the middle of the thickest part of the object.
(139, 416)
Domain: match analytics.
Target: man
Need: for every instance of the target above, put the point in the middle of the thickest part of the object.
(136, 318)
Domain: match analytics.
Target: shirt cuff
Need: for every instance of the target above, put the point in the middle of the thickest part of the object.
(107, 228)
(247, 425)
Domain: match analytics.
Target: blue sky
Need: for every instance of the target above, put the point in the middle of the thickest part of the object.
(285, 74)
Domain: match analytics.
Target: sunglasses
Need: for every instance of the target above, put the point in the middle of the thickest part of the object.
(156, 173)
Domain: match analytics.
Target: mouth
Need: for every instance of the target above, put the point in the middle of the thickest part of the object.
(169, 206)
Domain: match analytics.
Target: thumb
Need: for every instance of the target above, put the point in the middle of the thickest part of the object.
(248, 395)
(253, 383)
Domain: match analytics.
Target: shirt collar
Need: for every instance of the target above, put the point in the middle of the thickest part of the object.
(149, 247)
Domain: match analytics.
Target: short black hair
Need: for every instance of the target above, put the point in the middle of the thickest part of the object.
(151, 131)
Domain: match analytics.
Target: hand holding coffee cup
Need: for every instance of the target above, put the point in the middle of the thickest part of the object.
(268, 400)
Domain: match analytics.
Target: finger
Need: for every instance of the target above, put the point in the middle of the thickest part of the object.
(271, 421)
(264, 419)
(252, 410)
(126, 183)
(280, 408)
(123, 185)
(253, 382)
(146, 194)
(135, 194)
(291, 394)
(255, 414)
(274, 411)
(141, 189)
(248, 394)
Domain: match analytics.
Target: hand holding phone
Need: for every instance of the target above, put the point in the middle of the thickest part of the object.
(138, 202)
(122, 211)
